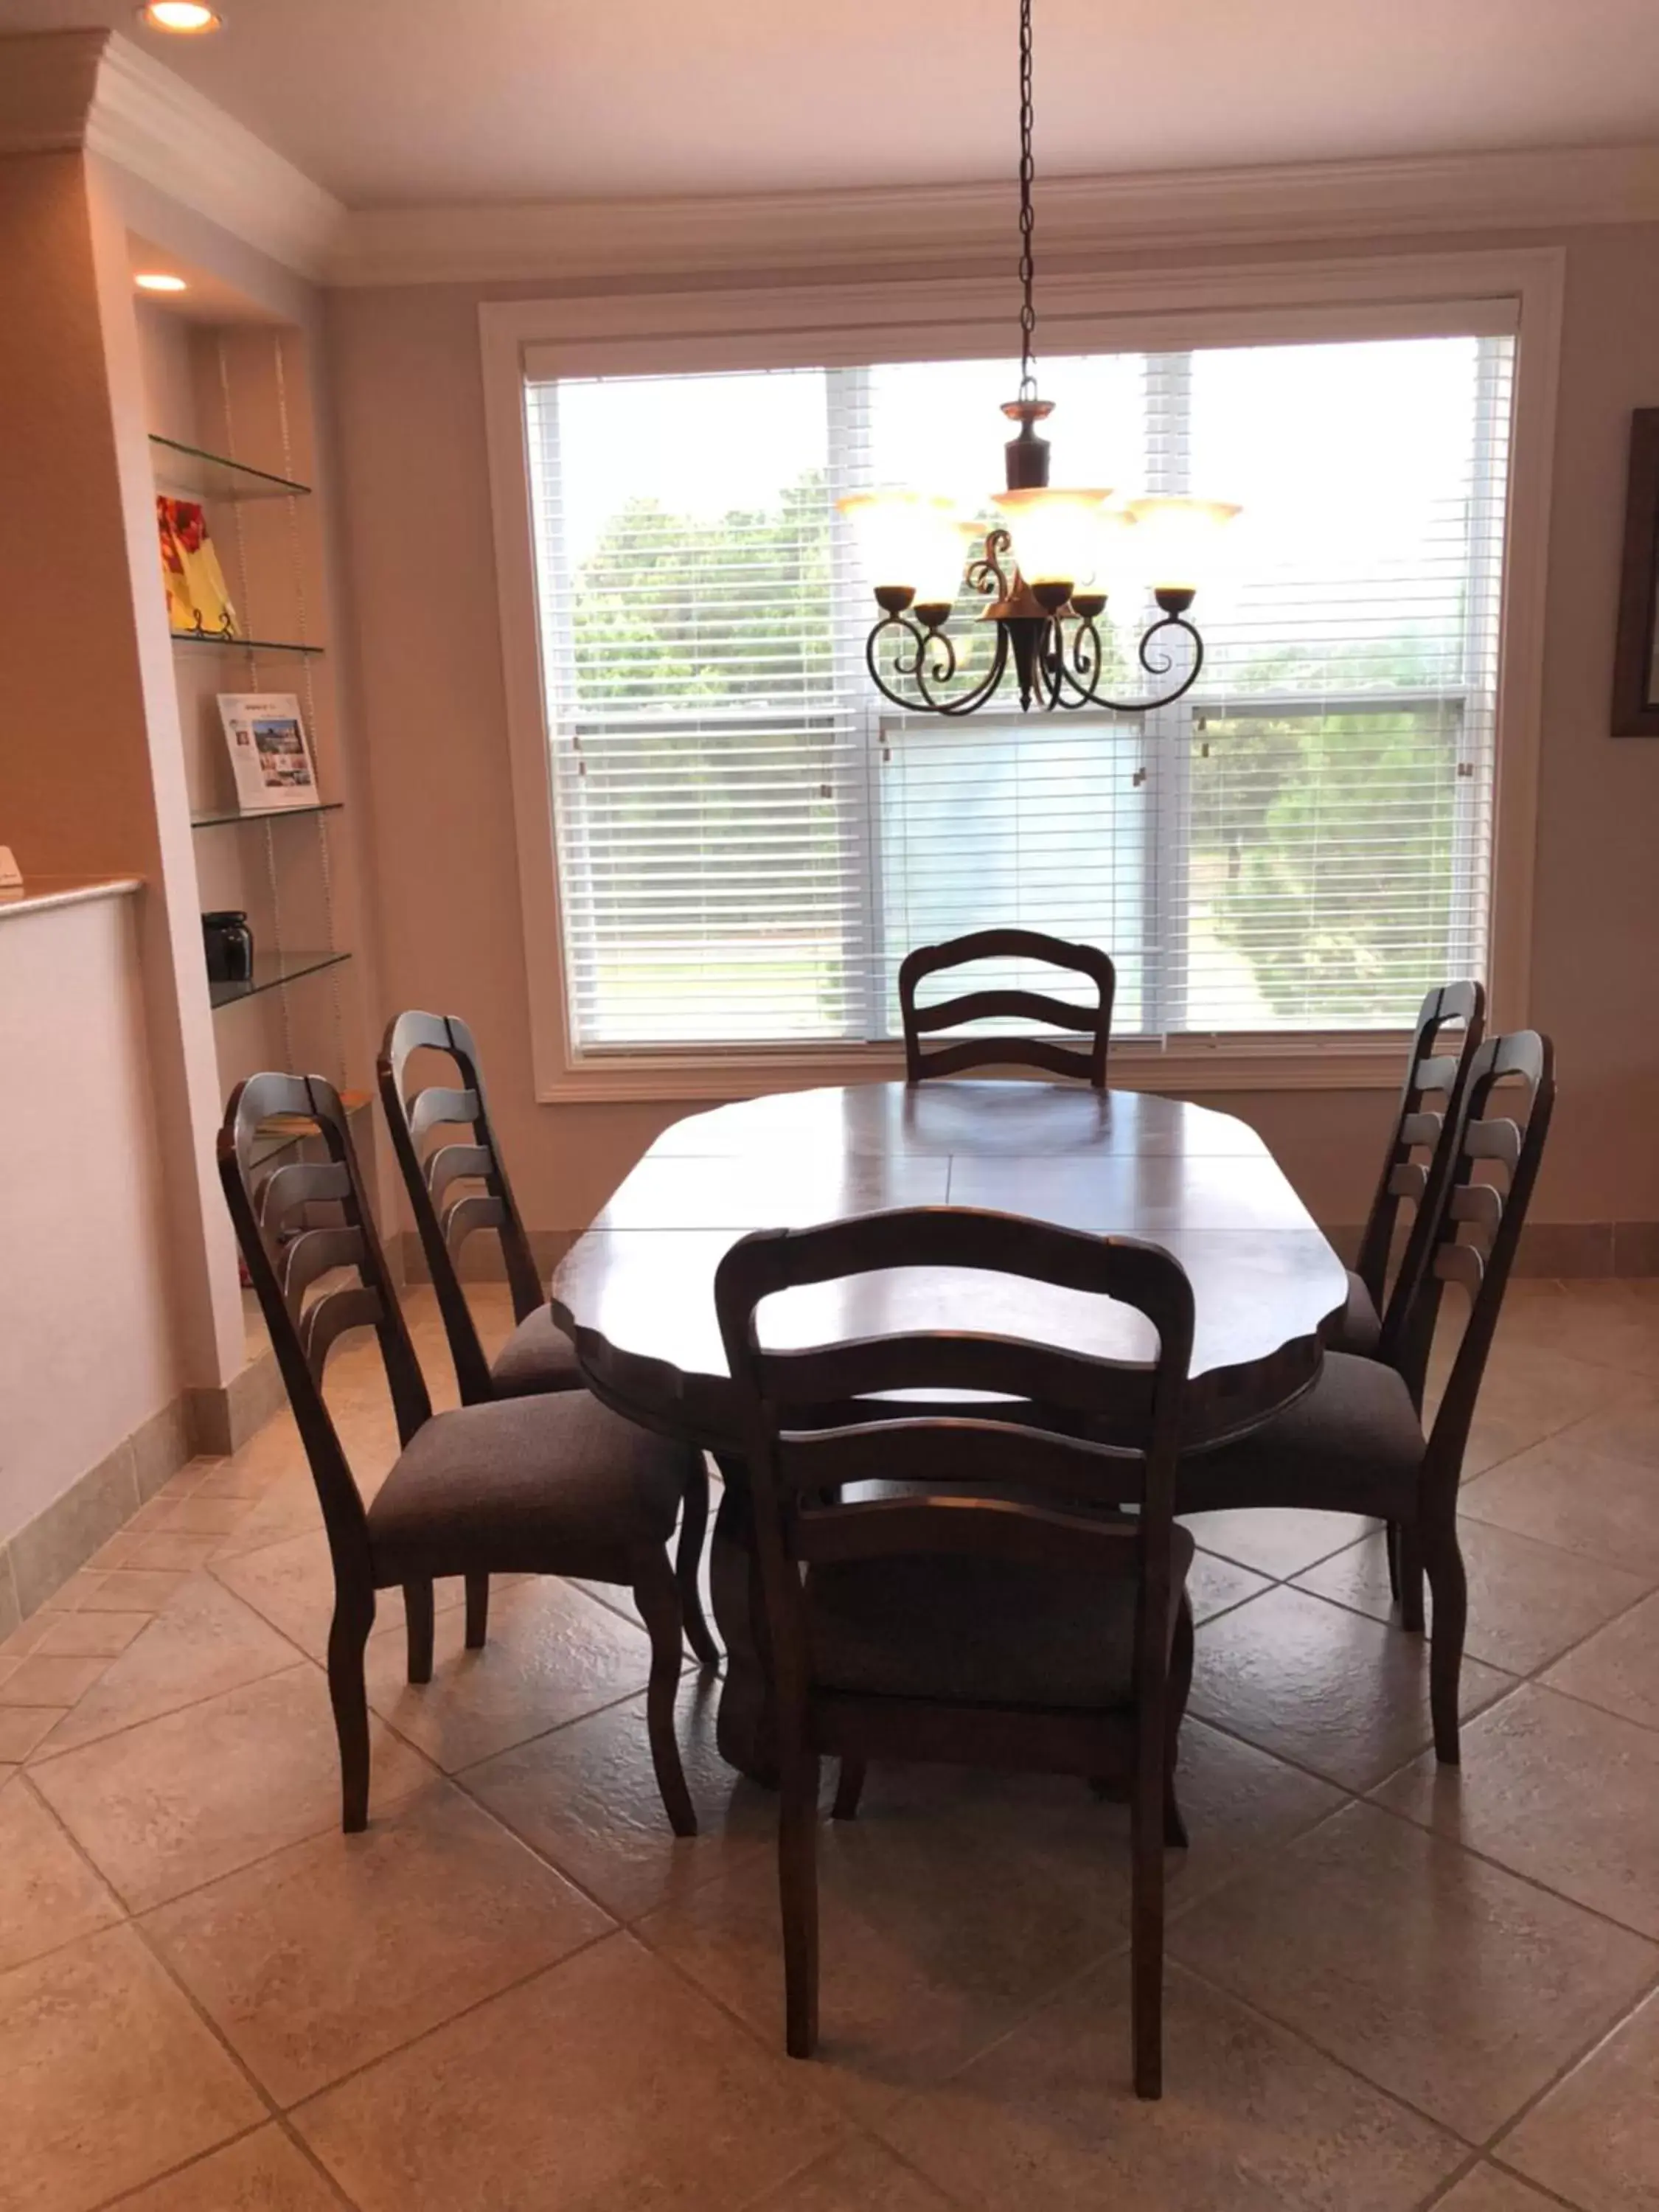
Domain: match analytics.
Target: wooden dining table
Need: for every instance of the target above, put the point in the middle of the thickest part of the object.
(635, 1292)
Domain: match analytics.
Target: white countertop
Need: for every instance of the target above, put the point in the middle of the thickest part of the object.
(40, 893)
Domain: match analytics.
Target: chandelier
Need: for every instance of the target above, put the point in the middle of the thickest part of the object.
(1041, 565)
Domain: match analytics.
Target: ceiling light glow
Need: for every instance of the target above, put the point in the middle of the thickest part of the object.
(157, 280)
(179, 15)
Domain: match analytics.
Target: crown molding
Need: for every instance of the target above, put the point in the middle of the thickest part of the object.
(47, 83)
(150, 123)
(956, 226)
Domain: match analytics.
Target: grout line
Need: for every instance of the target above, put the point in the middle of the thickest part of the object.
(44, 1755)
(171, 2172)
(1580, 2057)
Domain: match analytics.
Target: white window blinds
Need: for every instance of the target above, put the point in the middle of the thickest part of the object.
(750, 840)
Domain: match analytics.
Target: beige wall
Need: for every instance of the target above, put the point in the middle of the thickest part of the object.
(405, 365)
(86, 1350)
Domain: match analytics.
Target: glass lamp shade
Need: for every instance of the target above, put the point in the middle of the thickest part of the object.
(1177, 540)
(1059, 537)
(909, 541)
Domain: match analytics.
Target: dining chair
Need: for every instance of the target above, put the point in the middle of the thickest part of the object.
(1355, 1443)
(456, 1178)
(1093, 1023)
(1414, 1165)
(956, 1581)
(556, 1484)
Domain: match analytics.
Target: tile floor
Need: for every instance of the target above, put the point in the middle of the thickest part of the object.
(1389, 1986)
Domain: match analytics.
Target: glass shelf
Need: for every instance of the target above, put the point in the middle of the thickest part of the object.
(262, 813)
(187, 471)
(215, 643)
(270, 971)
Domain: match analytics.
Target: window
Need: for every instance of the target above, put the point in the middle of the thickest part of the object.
(748, 839)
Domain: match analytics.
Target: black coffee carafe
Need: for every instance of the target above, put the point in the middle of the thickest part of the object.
(229, 945)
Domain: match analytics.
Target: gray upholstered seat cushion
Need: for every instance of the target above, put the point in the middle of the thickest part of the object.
(548, 1484)
(1359, 1330)
(1352, 1444)
(537, 1357)
(977, 1632)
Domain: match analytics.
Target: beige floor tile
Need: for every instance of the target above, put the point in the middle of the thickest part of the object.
(69, 1596)
(1488, 2188)
(136, 1590)
(1527, 1602)
(1594, 2139)
(1214, 1584)
(553, 1655)
(957, 1899)
(1323, 1686)
(1564, 1493)
(1557, 1791)
(288, 1507)
(109, 2078)
(171, 1551)
(1605, 1324)
(231, 1483)
(91, 1635)
(42, 1678)
(203, 1642)
(291, 1583)
(1274, 1540)
(860, 2177)
(26, 1636)
(48, 1893)
(22, 1727)
(1445, 1981)
(315, 1962)
(1252, 2119)
(175, 1802)
(199, 1516)
(655, 2098)
(586, 1796)
(1619, 1667)
(1529, 1392)
(261, 2173)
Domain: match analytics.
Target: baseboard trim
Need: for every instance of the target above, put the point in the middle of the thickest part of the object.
(40, 1558)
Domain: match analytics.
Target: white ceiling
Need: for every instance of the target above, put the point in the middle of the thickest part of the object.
(400, 102)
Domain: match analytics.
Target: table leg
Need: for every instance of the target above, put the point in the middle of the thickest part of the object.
(746, 1728)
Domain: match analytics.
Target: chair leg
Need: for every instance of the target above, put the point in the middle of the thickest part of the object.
(418, 1605)
(1181, 1683)
(797, 1895)
(849, 1788)
(348, 1691)
(1391, 1547)
(1411, 1579)
(688, 1561)
(478, 1612)
(1449, 1586)
(657, 1598)
(1147, 1818)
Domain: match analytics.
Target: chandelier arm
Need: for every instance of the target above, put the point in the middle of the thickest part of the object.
(1083, 668)
(971, 700)
(1157, 663)
(900, 667)
(986, 574)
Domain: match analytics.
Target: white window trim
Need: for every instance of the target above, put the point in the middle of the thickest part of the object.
(1276, 302)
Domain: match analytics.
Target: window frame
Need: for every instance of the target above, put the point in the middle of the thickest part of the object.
(1518, 290)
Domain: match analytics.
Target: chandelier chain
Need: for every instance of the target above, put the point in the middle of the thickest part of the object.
(1027, 218)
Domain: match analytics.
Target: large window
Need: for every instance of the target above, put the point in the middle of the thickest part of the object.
(750, 840)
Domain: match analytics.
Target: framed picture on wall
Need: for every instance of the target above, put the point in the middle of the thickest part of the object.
(270, 755)
(1635, 653)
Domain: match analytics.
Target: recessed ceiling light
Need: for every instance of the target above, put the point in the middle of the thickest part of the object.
(179, 15)
(155, 280)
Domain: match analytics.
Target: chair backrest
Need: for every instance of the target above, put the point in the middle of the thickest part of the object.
(297, 1224)
(1093, 1023)
(1497, 1144)
(814, 1425)
(443, 1175)
(1419, 1150)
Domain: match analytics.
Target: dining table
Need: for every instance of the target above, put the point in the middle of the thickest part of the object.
(635, 1292)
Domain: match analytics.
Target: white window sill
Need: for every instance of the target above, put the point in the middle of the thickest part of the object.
(1366, 1060)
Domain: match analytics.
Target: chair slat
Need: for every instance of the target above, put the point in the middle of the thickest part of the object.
(454, 1164)
(1436, 1072)
(1006, 1006)
(1460, 1263)
(1421, 1129)
(463, 1215)
(289, 1190)
(315, 1252)
(1479, 1202)
(966, 1528)
(1408, 1180)
(1093, 1022)
(328, 1318)
(968, 1452)
(1494, 1141)
(436, 1104)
